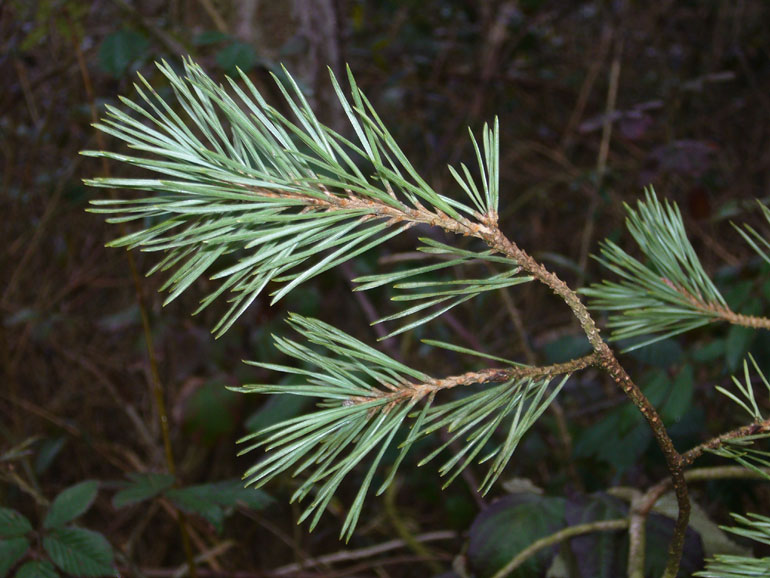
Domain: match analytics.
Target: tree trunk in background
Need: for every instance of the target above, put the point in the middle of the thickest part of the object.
(304, 35)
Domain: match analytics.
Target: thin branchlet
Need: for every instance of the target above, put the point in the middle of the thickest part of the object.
(397, 394)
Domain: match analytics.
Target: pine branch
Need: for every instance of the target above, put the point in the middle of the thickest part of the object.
(245, 183)
(733, 444)
(367, 396)
(669, 295)
(738, 445)
(280, 201)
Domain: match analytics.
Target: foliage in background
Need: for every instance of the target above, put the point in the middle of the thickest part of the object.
(65, 546)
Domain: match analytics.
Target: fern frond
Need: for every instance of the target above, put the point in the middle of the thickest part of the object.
(366, 397)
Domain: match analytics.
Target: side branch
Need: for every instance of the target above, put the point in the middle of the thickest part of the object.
(400, 393)
(650, 498)
(746, 320)
(722, 312)
(749, 430)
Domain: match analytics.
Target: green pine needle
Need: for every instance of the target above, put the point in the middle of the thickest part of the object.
(250, 198)
(754, 527)
(755, 240)
(670, 294)
(365, 399)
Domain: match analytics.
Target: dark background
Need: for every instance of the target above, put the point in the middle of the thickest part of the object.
(596, 100)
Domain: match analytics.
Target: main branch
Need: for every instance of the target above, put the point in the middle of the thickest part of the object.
(609, 363)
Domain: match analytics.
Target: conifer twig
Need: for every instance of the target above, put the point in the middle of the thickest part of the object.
(745, 431)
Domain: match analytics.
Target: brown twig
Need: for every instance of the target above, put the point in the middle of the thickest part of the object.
(130, 411)
(719, 311)
(40, 233)
(601, 161)
(752, 321)
(214, 14)
(361, 553)
(397, 394)
(403, 532)
(641, 505)
(609, 363)
(587, 86)
(555, 408)
(637, 537)
(748, 430)
(157, 387)
(168, 41)
(369, 311)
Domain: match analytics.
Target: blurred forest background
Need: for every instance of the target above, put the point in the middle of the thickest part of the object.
(595, 99)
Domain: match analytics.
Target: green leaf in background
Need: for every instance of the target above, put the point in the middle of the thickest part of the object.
(498, 534)
(208, 37)
(605, 554)
(597, 554)
(660, 529)
(738, 342)
(565, 348)
(210, 412)
(120, 50)
(664, 353)
(656, 385)
(679, 399)
(47, 452)
(215, 501)
(79, 551)
(37, 569)
(11, 551)
(738, 292)
(278, 408)
(71, 503)
(236, 55)
(304, 301)
(714, 539)
(619, 438)
(13, 524)
(754, 527)
(202, 501)
(142, 486)
(709, 351)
